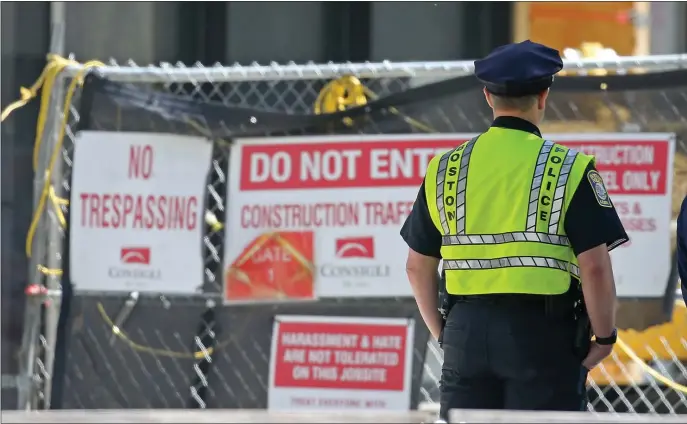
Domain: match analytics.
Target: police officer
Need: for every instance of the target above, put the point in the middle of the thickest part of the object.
(518, 221)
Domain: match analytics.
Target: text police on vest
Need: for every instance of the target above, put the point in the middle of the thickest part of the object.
(550, 188)
(452, 170)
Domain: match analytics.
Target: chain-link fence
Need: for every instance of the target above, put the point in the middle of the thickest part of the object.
(145, 352)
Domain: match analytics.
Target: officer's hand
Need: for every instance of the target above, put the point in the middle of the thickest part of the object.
(597, 353)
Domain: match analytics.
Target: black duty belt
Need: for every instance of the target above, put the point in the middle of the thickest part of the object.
(515, 301)
(554, 306)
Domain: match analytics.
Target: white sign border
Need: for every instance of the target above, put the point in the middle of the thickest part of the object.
(199, 289)
(309, 319)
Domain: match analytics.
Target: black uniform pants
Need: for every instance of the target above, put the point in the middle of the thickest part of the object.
(510, 356)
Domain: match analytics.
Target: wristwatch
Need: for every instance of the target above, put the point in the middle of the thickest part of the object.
(608, 340)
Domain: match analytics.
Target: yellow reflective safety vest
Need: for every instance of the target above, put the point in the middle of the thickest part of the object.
(499, 200)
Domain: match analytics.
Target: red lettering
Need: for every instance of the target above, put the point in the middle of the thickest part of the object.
(116, 205)
(315, 215)
(639, 224)
(627, 166)
(191, 215)
(95, 211)
(387, 213)
(140, 162)
(128, 204)
(117, 210)
(356, 357)
(393, 163)
(622, 208)
(161, 206)
(106, 210)
(149, 220)
(84, 211)
(301, 215)
(138, 213)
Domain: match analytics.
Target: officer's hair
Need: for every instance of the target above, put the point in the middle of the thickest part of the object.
(521, 104)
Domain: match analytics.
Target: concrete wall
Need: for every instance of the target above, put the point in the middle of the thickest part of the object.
(667, 27)
(291, 31)
(148, 32)
(416, 31)
(145, 32)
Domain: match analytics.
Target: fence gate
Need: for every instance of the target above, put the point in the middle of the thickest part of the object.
(149, 366)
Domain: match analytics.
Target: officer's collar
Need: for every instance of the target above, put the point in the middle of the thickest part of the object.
(515, 123)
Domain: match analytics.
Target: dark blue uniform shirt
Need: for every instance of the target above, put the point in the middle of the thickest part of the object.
(587, 223)
(682, 247)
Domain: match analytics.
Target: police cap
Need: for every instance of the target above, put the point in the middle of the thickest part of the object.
(519, 69)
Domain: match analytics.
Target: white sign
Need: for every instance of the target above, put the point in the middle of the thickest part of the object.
(355, 192)
(638, 173)
(137, 208)
(338, 363)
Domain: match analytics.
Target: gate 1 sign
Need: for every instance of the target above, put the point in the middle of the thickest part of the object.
(275, 267)
(137, 208)
(340, 363)
(354, 193)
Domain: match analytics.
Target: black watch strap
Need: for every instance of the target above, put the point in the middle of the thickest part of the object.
(608, 340)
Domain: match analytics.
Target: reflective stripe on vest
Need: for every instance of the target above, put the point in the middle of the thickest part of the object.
(512, 261)
(452, 208)
(505, 238)
(535, 257)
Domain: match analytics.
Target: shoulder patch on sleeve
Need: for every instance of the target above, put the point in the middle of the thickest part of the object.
(599, 189)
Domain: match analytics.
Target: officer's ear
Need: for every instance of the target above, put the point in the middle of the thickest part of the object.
(541, 99)
(487, 96)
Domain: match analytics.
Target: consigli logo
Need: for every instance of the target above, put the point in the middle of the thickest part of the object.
(135, 255)
(355, 247)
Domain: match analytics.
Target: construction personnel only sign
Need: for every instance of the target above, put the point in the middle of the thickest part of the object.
(637, 170)
(351, 195)
(340, 363)
(137, 208)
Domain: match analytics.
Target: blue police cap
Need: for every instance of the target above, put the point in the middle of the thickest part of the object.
(519, 69)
